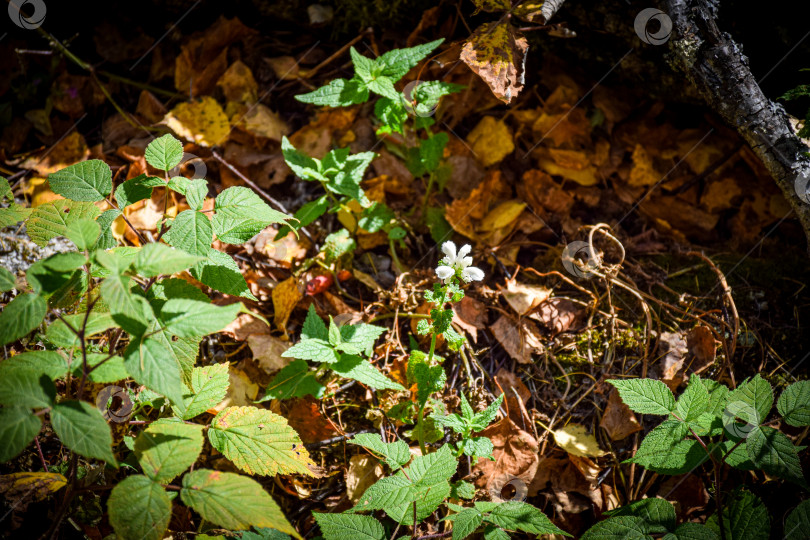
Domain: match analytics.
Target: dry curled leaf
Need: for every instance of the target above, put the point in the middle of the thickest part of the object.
(524, 298)
(618, 420)
(497, 53)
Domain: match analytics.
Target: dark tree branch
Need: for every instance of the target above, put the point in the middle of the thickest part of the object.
(718, 69)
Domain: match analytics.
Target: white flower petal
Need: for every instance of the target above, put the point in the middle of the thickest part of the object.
(464, 251)
(444, 272)
(449, 249)
(465, 262)
(472, 274)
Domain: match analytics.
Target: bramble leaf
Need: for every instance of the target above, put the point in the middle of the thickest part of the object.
(155, 258)
(693, 402)
(209, 385)
(338, 93)
(164, 153)
(87, 181)
(772, 451)
(21, 316)
(81, 427)
(220, 272)
(794, 404)
(51, 219)
(645, 396)
(136, 189)
(240, 215)
(191, 318)
(755, 394)
(294, 380)
(797, 524)
(349, 526)
(18, 427)
(192, 232)
(139, 508)
(147, 361)
(744, 518)
(396, 454)
(165, 449)
(520, 516)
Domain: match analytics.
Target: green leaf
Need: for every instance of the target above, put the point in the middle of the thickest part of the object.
(665, 451)
(179, 184)
(398, 62)
(462, 490)
(392, 115)
(294, 380)
(396, 454)
(314, 326)
(361, 370)
(258, 441)
(301, 164)
(797, 524)
(794, 404)
(111, 370)
(318, 350)
(164, 153)
(164, 289)
(477, 447)
(83, 233)
(60, 335)
(241, 215)
(18, 427)
(425, 158)
(338, 93)
(139, 508)
(429, 379)
(772, 451)
(51, 219)
(744, 518)
(520, 516)
(209, 385)
(232, 501)
(191, 231)
(150, 364)
(645, 396)
(485, 418)
(359, 338)
(306, 215)
(693, 531)
(82, 428)
(51, 363)
(88, 181)
(220, 272)
(26, 387)
(465, 523)
(658, 513)
(7, 280)
(755, 394)
(166, 449)
(155, 259)
(190, 318)
(383, 86)
(618, 528)
(136, 189)
(196, 191)
(183, 351)
(375, 217)
(426, 96)
(12, 215)
(128, 306)
(694, 401)
(21, 316)
(338, 244)
(349, 173)
(105, 221)
(364, 67)
(349, 527)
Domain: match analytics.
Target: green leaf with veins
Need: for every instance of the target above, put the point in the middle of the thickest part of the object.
(294, 380)
(794, 404)
(220, 272)
(18, 427)
(51, 219)
(192, 232)
(338, 93)
(398, 62)
(396, 454)
(240, 215)
(164, 153)
(155, 259)
(87, 181)
(349, 527)
(21, 316)
(361, 370)
(645, 396)
(136, 189)
(209, 386)
(139, 508)
(166, 448)
(81, 428)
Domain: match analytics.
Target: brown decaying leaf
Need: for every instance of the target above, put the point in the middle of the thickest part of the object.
(238, 84)
(266, 348)
(471, 315)
(363, 471)
(672, 348)
(556, 314)
(491, 141)
(304, 416)
(513, 388)
(701, 345)
(285, 297)
(520, 342)
(515, 452)
(497, 53)
(523, 298)
(618, 420)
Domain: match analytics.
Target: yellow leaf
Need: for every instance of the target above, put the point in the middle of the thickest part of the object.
(575, 439)
(502, 215)
(497, 54)
(203, 122)
(31, 485)
(262, 122)
(238, 84)
(491, 141)
(285, 297)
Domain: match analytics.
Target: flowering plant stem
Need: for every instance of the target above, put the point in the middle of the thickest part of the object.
(421, 415)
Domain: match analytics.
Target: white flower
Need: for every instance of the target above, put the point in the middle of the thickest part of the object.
(458, 261)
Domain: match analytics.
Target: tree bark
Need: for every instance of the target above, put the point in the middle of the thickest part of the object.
(716, 66)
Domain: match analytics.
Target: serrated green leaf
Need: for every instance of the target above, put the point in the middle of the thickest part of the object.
(111, 370)
(618, 528)
(797, 524)
(383, 86)
(359, 338)
(179, 184)
(398, 62)
(136, 189)
(338, 93)
(364, 67)
(755, 394)
(192, 232)
(734, 455)
(82, 428)
(150, 364)
(88, 181)
(258, 441)
(18, 427)
(462, 490)
(659, 514)
(361, 370)
(693, 402)
(166, 288)
(196, 191)
(60, 335)
(209, 385)
(83, 233)
(466, 522)
(106, 240)
(306, 215)
(294, 380)
(220, 272)
(164, 153)
(183, 351)
(21, 316)
(428, 379)
(794, 404)
(338, 244)
(318, 350)
(396, 454)
(13, 214)
(477, 447)
(772, 451)
(692, 531)
(665, 451)
(190, 318)
(26, 387)
(155, 259)
(166, 449)
(494, 533)
(51, 363)
(744, 518)
(452, 421)
(129, 308)
(425, 158)
(349, 527)
(240, 215)
(51, 219)
(314, 326)
(392, 114)
(520, 516)
(645, 396)
(232, 501)
(139, 508)
(484, 418)
(7, 280)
